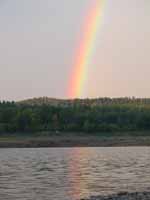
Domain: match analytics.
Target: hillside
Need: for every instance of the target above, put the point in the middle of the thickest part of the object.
(88, 102)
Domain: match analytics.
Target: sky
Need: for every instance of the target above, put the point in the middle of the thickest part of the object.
(39, 39)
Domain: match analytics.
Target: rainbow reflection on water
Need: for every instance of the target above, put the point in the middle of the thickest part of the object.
(77, 175)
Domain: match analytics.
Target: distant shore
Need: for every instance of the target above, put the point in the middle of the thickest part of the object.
(73, 141)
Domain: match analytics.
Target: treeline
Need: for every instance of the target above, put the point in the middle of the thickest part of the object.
(22, 118)
(88, 102)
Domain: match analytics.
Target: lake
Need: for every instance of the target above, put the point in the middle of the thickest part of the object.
(72, 173)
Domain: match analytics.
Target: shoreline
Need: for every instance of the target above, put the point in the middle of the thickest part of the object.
(123, 196)
(73, 141)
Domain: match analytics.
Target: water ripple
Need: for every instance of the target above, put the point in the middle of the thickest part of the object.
(72, 173)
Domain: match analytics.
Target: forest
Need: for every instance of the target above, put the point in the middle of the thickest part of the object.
(87, 118)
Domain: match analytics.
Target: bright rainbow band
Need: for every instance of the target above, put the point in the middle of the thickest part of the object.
(85, 49)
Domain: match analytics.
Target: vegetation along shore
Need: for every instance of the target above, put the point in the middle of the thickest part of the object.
(78, 122)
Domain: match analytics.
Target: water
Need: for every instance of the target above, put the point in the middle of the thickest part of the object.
(72, 173)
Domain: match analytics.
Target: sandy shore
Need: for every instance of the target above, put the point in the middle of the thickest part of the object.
(124, 196)
(73, 141)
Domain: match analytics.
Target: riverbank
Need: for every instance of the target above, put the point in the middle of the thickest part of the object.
(72, 141)
(124, 196)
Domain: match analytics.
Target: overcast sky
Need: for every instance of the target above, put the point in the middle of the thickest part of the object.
(38, 41)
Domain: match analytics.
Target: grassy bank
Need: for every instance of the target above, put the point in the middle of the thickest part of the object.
(74, 140)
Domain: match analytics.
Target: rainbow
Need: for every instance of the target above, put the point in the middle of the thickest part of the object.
(85, 49)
